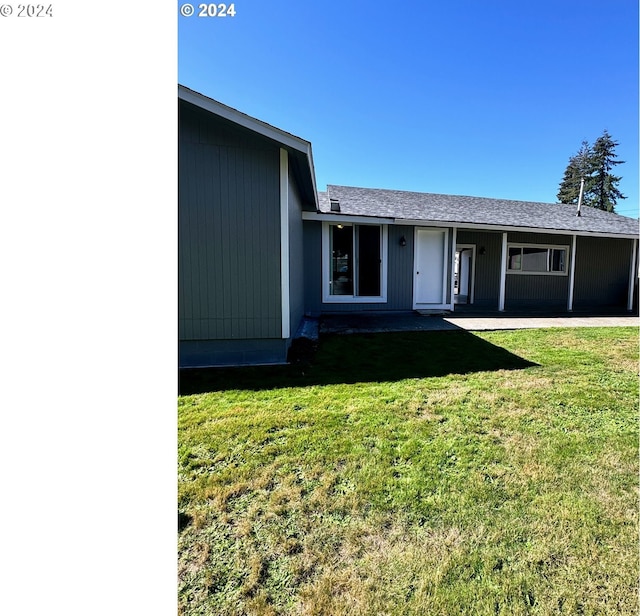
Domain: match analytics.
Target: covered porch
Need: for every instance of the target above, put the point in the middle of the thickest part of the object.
(471, 319)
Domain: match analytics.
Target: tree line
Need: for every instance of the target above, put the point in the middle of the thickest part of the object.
(594, 163)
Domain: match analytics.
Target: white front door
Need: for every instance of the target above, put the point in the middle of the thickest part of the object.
(430, 268)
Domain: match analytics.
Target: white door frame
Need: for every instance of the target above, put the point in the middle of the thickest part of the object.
(472, 273)
(445, 262)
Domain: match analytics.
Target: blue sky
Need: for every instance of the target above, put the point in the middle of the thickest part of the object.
(485, 98)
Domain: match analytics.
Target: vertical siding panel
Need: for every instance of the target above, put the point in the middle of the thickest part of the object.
(278, 239)
(487, 271)
(183, 303)
(263, 305)
(602, 271)
(216, 263)
(271, 184)
(211, 248)
(393, 259)
(184, 231)
(201, 200)
(312, 266)
(201, 232)
(296, 258)
(194, 245)
(255, 193)
(240, 203)
(208, 247)
(537, 289)
(235, 242)
(253, 235)
(394, 268)
(227, 265)
(272, 249)
(185, 246)
(400, 272)
(229, 230)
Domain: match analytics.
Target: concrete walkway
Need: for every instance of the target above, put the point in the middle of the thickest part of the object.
(412, 321)
(484, 323)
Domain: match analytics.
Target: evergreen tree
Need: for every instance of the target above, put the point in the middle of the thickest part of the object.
(580, 166)
(594, 164)
(604, 185)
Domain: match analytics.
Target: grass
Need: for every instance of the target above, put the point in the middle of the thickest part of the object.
(422, 473)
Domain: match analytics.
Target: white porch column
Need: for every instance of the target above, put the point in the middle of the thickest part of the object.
(503, 273)
(572, 273)
(453, 266)
(632, 274)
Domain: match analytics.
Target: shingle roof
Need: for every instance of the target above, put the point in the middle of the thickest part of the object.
(428, 207)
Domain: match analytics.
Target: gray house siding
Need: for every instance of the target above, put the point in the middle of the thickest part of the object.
(602, 272)
(538, 290)
(229, 241)
(487, 271)
(520, 290)
(399, 273)
(296, 257)
(542, 291)
(312, 246)
(597, 283)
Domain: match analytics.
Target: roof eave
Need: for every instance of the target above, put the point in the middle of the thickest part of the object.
(363, 218)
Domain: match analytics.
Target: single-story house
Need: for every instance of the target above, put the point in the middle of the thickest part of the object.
(260, 246)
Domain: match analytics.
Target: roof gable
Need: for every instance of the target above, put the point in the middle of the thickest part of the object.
(299, 149)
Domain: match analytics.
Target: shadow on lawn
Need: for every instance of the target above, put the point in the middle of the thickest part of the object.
(364, 358)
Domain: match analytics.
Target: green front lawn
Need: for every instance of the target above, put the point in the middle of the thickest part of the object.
(421, 473)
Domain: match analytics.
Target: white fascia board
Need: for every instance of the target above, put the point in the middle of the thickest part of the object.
(503, 228)
(335, 217)
(242, 119)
